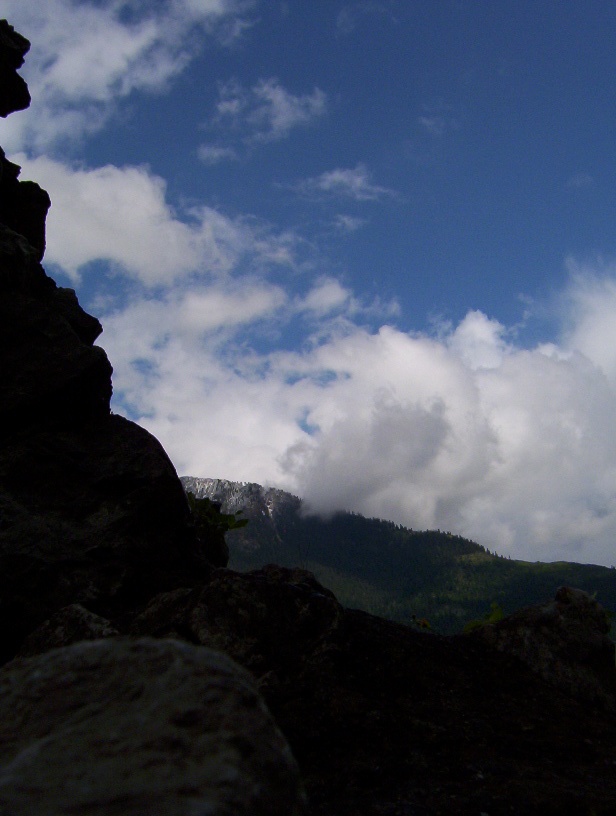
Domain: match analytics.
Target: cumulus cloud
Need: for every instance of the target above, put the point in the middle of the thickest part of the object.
(479, 341)
(326, 296)
(86, 56)
(511, 447)
(121, 215)
(589, 305)
(354, 183)
(464, 431)
(267, 111)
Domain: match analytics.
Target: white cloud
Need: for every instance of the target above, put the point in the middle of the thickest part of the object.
(517, 454)
(215, 308)
(590, 308)
(86, 56)
(278, 111)
(121, 215)
(479, 341)
(348, 223)
(512, 447)
(354, 183)
(214, 154)
(327, 296)
(267, 112)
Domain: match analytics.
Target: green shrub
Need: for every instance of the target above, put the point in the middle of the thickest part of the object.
(210, 526)
(493, 616)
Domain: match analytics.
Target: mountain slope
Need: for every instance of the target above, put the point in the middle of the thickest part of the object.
(386, 569)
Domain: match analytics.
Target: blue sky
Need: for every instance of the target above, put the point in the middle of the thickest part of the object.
(363, 251)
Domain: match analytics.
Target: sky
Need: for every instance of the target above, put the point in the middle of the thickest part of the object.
(362, 251)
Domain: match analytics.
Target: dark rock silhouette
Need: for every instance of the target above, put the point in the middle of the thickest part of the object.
(14, 94)
(69, 625)
(136, 727)
(565, 641)
(387, 719)
(23, 205)
(96, 539)
(91, 508)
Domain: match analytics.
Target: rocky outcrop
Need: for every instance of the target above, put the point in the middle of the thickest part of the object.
(565, 641)
(14, 94)
(23, 205)
(267, 620)
(91, 508)
(386, 719)
(136, 727)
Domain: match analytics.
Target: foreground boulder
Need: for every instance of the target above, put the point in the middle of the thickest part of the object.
(140, 727)
(386, 719)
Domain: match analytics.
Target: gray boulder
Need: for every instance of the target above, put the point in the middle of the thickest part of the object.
(69, 625)
(138, 728)
(565, 641)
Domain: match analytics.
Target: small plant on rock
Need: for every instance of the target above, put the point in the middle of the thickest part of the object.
(210, 527)
(493, 616)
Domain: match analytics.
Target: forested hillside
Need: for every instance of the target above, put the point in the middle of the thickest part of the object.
(388, 570)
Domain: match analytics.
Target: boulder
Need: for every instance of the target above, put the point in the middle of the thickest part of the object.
(268, 620)
(69, 625)
(565, 641)
(92, 514)
(140, 727)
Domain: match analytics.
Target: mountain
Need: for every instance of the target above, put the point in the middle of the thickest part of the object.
(386, 569)
(139, 675)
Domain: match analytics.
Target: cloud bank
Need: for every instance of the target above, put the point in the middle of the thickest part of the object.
(463, 430)
(292, 379)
